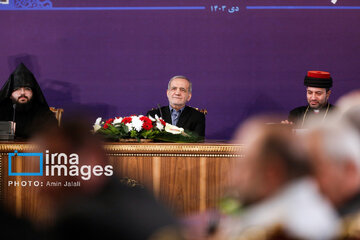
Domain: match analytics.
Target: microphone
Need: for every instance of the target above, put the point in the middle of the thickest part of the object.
(14, 106)
(13, 124)
(161, 115)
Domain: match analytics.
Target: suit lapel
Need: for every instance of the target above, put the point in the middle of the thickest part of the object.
(166, 114)
(184, 116)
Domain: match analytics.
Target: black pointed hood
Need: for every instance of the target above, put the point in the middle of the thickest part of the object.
(22, 77)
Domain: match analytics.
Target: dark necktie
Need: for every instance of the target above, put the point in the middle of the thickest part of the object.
(175, 117)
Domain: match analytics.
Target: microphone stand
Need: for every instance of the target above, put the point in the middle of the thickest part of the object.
(161, 115)
(13, 124)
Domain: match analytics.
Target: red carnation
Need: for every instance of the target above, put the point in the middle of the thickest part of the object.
(106, 125)
(110, 120)
(147, 126)
(145, 120)
(126, 120)
(162, 122)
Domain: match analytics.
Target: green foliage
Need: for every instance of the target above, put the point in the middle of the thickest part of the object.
(187, 137)
(150, 134)
(230, 206)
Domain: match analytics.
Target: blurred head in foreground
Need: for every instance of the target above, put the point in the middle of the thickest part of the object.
(98, 205)
(271, 159)
(349, 105)
(274, 176)
(73, 154)
(334, 148)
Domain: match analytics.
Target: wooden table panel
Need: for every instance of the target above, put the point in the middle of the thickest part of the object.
(188, 178)
(138, 168)
(217, 179)
(179, 183)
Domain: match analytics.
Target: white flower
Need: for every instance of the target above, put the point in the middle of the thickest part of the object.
(130, 126)
(98, 121)
(117, 120)
(137, 123)
(159, 125)
(158, 118)
(97, 125)
(173, 129)
(151, 118)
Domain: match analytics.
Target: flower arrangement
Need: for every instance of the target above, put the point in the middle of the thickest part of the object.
(138, 127)
(141, 127)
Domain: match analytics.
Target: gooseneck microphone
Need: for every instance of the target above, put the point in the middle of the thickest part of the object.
(14, 106)
(13, 124)
(160, 111)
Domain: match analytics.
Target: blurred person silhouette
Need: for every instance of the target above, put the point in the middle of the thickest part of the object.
(335, 156)
(100, 206)
(269, 150)
(349, 105)
(17, 228)
(272, 180)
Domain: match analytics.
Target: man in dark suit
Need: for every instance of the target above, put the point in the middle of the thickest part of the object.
(177, 113)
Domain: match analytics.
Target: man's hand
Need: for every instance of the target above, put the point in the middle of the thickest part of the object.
(286, 122)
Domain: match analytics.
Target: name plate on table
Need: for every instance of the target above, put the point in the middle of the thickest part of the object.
(7, 130)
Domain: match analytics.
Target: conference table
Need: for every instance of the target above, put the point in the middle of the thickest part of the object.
(186, 177)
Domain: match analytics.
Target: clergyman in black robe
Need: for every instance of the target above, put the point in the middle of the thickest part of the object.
(318, 85)
(22, 100)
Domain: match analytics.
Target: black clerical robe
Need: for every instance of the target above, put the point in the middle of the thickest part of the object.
(36, 115)
(298, 117)
(35, 119)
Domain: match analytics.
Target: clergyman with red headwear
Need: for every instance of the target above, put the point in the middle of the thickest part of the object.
(318, 84)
